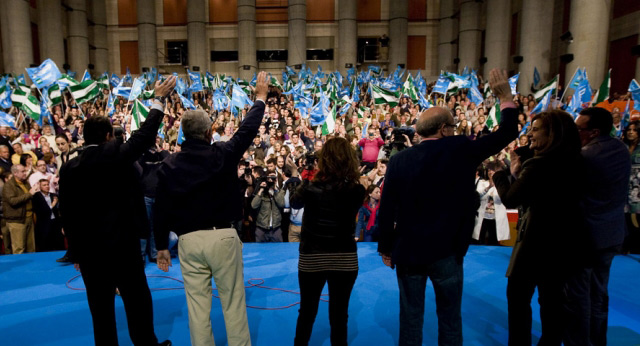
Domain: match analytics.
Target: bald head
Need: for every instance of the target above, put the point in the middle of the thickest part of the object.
(431, 121)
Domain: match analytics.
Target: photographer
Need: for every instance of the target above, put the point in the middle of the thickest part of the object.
(371, 147)
(268, 203)
(310, 164)
(295, 215)
(401, 139)
(245, 179)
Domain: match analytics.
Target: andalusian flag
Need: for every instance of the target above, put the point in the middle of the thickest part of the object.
(31, 107)
(409, 89)
(330, 122)
(553, 84)
(85, 91)
(138, 115)
(54, 96)
(494, 116)
(603, 92)
(148, 94)
(361, 111)
(274, 81)
(19, 97)
(384, 96)
(103, 82)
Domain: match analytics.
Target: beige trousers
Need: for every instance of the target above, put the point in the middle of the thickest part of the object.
(218, 254)
(22, 236)
(294, 233)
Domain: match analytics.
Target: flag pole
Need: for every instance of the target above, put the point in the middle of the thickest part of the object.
(565, 89)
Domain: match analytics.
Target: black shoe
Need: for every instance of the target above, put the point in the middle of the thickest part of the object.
(165, 343)
(64, 259)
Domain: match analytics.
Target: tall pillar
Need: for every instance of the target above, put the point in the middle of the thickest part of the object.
(49, 33)
(197, 34)
(431, 54)
(147, 42)
(247, 39)
(589, 26)
(297, 32)
(398, 28)
(100, 56)
(536, 18)
(78, 40)
(496, 46)
(447, 42)
(16, 36)
(469, 34)
(347, 34)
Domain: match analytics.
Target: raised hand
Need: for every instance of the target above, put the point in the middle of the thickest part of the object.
(261, 86)
(164, 88)
(499, 83)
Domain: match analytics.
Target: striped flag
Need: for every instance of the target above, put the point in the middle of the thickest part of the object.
(384, 96)
(54, 96)
(19, 97)
(603, 92)
(45, 74)
(31, 107)
(85, 91)
(138, 115)
(494, 116)
(66, 80)
(330, 122)
(409, 88)
(553, 84)
(544, 103)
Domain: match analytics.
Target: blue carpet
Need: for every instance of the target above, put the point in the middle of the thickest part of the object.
(37, 308)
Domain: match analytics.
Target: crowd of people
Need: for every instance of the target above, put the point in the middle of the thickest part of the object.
(369, 181)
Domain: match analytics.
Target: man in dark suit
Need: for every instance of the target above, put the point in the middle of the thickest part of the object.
(103, 229)
(5, 158)
(427, 213)
(48, 232)
(608, 167)
(197, 197)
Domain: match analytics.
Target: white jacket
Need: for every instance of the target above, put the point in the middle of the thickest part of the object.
(502, 222)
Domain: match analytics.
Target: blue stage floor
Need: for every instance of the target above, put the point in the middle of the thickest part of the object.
(37, 308)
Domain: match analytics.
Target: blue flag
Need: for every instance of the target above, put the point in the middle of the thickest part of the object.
(154, 75)
(584, 91)
(44, 75)
(22, 80)
(122, 91)
(238, 97)
(71, 74)
(513, 83)
(442, 85)
(424, 103)
(196, 82)
(186, 102)
(375, 69)
(290, 71)
(475, 95)
(320, 111)
(114, 80)
(536, 77)
(544, 103)
(86, 76)
(626, 119)
(220, 100)
(634, 89)
(7, 120)
(136, 89)
(127, 76)
(180, 134)
(578, 77)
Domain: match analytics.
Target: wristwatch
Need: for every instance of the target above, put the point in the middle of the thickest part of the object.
(160, 99)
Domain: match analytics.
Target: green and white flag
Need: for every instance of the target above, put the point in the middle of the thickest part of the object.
(31, 107)
(383, 96)
(67, 80)
(487, 90)
(138, 115)
(103, 82)
(24, 88)
(54, 96)
(19, 97)
(603, 93)
(553, 84)
(274, 81)
(494, 116)
(361, 111)
(330, 122)
(85, 91)
(148, 94)
(409, 89)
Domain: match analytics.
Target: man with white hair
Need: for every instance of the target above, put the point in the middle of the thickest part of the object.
(197, 197)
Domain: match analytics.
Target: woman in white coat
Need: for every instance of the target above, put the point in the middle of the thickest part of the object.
(492, 224)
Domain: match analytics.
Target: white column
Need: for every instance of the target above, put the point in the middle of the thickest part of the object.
(49, 33)
(197, 34)
(16, 36)
(147, 42)
(398, 28)
(348, 34)
(589, 26)
(469, 34)
(78, 41)
(433, 29)
(447, 43)
(496, 46)
(101, 53)
(247, 38)
(535, 50)
(297, 32)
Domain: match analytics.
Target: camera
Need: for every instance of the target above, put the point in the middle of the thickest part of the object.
(270, 180)
(399, 142)
(310, 161)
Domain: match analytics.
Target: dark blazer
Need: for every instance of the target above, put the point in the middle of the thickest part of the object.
(429, 194)
(101, 200)
(551, 235)
(5, 165)
(607, 170)
(198, 186)
(43, 212)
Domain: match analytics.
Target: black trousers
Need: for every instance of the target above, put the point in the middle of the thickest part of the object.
(311, 285)
(520, 289)
(127, 274)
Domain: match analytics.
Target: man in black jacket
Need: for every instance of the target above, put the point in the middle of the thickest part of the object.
(47, 228)
(427, 213)
(103, 229)
(197, 197)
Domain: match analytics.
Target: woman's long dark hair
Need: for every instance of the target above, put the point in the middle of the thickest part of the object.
(564, 139)
(337, 163)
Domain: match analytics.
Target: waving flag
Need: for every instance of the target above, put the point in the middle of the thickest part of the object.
(513, 83)
(18, 97)
(384, 96)
(319, 111)
(553, 84)
(86, 76)
(53, 95)
(238, 97)
(21, 80)
(114, 80)
(494, 116)
(45, 74)
(85, 91)
(603, 92)
(103, 81)
(220, 101)
(196, 84)
(424, 103)
(544, 104)
(475, 96)
(186, 102)
(626, 119)
(442, 85)
(139, 114)
(136, 89)
(5, 96)
(127, 77)
(578, 77)
(634, 89)
(31, 107)
(536, 77)
(409, 89)
(66, 80)
(330, 122)
(7, 120)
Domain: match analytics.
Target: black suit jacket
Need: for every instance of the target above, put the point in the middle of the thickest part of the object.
(429, 194)
(43, 212)
(198, 186)
(101, 200)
